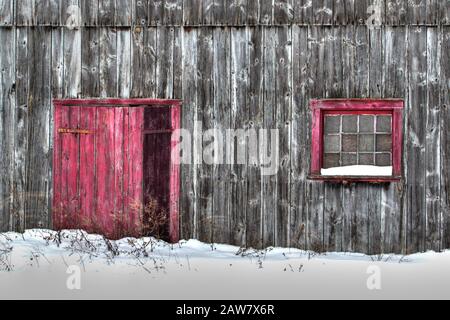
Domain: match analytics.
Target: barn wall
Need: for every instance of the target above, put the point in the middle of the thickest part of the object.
(240, 64)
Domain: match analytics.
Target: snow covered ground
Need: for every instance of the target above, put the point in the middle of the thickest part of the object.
(46, 264)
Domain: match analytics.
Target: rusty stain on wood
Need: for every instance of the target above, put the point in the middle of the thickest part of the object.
(75, 131)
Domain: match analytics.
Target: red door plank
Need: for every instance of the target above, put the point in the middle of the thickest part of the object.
(118, 187)
(87, 168)
(69, 165)
(57, 174)
(133, 170)
(175, 180)
(104, 163)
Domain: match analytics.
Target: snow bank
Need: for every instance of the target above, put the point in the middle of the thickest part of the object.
(359, 171)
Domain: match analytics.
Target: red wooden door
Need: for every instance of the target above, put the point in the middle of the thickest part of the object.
(108, 170)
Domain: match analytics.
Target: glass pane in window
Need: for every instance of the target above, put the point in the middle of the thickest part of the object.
(384, 143)
(350, 124)
(350, 143)
(332, 124)
(366, 124)
(331, 160)
(384, 124)
(332, 144)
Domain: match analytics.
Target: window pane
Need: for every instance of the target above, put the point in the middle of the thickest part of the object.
(331, 160)
(350, 124)
(384, 143)
(332, 124)
(332, 144)
(349, 143)
(349, 159)
(366, 143)
(383, 160)
(366, 124)
(384, 124)
(366, 159)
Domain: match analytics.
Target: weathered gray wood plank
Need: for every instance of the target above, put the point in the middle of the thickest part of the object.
(266, 12)
(303, 11)
(38, 159)
(188, 205)
(173, 12)
(416, 136)
(7, 113)
(192, 12)
(156, 12)
(239, 89)
(108, 62)
(255, 107)
(140, 12)
(395, 72)
(283, 124)
(283, 12)
(396, 12)
(89, 11)
(124, 13)
(323, 12)
(445, 137)
(205, 100)
(417, 12)
(124, 63)
(6, 12)
(25, 12)
(253, 10)
(47, 12)
(222, 122)
(107, 12)
(300, 137)
(90, 59)
(165, 64)
(433, 151)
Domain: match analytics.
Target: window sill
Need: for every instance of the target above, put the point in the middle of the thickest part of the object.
(355, 179)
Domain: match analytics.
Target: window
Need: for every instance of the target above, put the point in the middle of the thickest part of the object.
(357, 140)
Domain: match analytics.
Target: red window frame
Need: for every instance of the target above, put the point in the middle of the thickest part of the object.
(320, 108)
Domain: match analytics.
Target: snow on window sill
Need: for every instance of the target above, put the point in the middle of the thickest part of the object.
(358, 171)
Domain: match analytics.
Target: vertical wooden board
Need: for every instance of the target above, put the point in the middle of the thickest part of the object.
(47, 12)
(343, 12)
(57, 63)
(374, 216)
(445, 138)
(416, 136)
(444, 10)
(124, 12)
(333, 219)
(432, 143)
(133, 170)
(87, 168)
(89, 12)
(72, 63)
(221, 116)
(299, 137)
(395, 70)
(71, 14)
(90, 62)
(178, 63)
(7, 107)
(214, 12)
(266, 12)
(69, 217)
(361, 69)
(315, 192)
(239, 89)
(417, 12)
(432, 8)
(253, 9)
(255, 107)
(303, 11)
(165, 63)
(124, 63)
(137, 62)
(57, 169)
(105, 172)
(156, 12)
(348, 208)
(283, 124)
(107, 12)
(396, 12)
(20, 129)
(188, 203)
(38, 163)
(7, 12)
(205, 109)
(118, 188)
(236, 12)
(333, 85)
(269, 182)
(25, 12)
(283, 12)
(144, 63)
(173, 12)
(140, 12)
(376, 45)
(192, 12)
(108, 62)
(323, 12)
